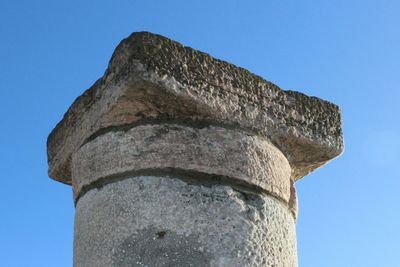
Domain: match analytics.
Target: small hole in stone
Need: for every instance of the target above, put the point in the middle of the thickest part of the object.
(161, 234)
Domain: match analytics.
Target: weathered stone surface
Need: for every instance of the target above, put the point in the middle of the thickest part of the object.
(155, 221)
(249, 159)
(180, 159)
(153, 79)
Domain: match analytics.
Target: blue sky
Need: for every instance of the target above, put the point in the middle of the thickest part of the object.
(346, 52)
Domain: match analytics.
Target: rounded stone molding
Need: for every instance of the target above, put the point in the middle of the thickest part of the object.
(237, 157)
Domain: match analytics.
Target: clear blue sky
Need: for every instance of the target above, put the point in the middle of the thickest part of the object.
(344, 51)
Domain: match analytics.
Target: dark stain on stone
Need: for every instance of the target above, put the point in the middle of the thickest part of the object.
(161, 248)
(161, 234)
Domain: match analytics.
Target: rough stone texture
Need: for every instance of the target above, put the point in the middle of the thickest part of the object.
(151, 78)
(155, 247)
(180, 159)
(155, 221)
(212, 150)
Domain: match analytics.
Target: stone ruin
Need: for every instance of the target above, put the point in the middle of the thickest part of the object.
(179, 159)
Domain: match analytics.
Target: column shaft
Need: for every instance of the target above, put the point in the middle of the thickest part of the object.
(174, 195)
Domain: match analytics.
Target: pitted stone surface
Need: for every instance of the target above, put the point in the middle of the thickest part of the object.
(212, 150)
(217, 226)
(153, 78)
(155, 247)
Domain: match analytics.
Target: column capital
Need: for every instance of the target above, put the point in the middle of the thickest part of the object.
(152, 79)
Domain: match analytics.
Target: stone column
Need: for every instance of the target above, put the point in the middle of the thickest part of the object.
(180, 159)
